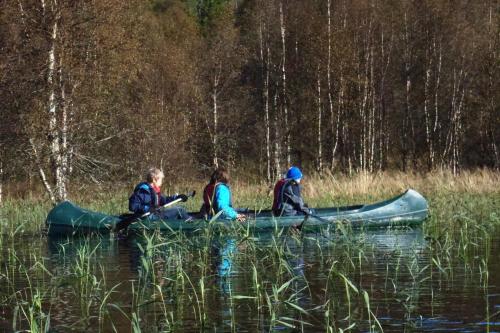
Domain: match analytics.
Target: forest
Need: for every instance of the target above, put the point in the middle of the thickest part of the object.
(98, 91)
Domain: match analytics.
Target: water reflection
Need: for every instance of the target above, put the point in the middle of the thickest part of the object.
(224, 250)
(209, 282)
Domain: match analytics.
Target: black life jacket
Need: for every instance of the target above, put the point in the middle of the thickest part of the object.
(279, 189)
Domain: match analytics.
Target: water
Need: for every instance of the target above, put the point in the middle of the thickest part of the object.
(276, 282)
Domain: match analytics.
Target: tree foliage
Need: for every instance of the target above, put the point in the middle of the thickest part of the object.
(248, 83)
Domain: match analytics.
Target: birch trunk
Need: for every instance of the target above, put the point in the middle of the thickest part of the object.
(265, 92)
(320, 152)
(364, 119)
(334, 125)
(493, 51)
(373, 109)
(62, 181)
(407, 95)
(428, 138)
(41, 173)
(277, 146)
(215, 117)
(383, 135)
(283, 73)
(1, 182)
(54, 135)
(453, 149)
(436, 129)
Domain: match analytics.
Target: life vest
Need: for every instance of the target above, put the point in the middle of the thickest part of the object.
(278, 194)
(209, 205)
(149, 189)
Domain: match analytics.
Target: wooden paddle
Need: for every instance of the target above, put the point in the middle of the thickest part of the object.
(123, 224)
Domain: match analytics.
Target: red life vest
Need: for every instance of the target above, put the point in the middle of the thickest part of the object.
(277, 193)
(208, 199)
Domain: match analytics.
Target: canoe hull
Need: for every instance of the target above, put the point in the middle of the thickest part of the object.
(409, 208)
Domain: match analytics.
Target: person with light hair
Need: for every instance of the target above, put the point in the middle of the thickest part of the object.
(147, 197)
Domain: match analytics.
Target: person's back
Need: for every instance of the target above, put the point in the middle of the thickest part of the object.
(208, 206)
(217, 197)
(287, 195)
(143, 199)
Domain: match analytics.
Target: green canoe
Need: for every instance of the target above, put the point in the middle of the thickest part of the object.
(409, 208)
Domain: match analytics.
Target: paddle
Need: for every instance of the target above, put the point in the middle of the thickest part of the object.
(123, 224)
(312, 215)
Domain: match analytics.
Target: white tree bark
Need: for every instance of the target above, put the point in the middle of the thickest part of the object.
(265, 78)
(333, 125)
(277, 146)
(407, 93)
(1, 182)
(41, 172)
(215, 116)
(373, 110)
(493, 50)
(452, 150)
(320, 116)
(54, 135)
(285, 99)
(437, 124)
(428, 138)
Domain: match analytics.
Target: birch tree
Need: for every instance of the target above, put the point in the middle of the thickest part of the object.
(284, 93)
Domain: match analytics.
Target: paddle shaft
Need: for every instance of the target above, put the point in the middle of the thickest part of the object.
(128, 221)
(316, 217)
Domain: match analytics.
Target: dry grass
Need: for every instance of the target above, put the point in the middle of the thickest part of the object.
(479, 190)
(327, 189)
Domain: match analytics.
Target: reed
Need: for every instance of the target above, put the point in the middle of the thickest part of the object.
(176, 282)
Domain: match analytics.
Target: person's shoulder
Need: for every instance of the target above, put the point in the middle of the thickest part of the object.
(142, 187)
(222, 187)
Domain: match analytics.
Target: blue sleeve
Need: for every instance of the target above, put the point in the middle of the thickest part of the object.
(223, 200)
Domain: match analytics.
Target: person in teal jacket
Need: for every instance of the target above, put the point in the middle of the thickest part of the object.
(217, 197)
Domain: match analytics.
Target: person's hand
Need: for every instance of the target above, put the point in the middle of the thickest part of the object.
(241, 218)
(183, 197)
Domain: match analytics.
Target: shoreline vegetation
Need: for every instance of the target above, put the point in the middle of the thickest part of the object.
(441, 188)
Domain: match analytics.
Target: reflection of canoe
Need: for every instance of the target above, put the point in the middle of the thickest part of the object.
(409, 208)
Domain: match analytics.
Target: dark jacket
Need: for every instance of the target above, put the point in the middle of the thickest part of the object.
(144, 199)
(289, 199)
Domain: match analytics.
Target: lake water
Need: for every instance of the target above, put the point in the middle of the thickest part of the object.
(318, 281)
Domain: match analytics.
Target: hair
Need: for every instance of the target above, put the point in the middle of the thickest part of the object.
(220, 175)
(153, 173)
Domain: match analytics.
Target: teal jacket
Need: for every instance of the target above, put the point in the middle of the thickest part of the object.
(223, 202)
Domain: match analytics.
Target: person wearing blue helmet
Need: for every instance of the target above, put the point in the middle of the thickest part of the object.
(287, 197)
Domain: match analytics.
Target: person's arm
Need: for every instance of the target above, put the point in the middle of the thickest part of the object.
(223, 200)
(165, 200)
(293, 196)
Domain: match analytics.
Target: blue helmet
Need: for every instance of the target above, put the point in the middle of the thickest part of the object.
(294, 173)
